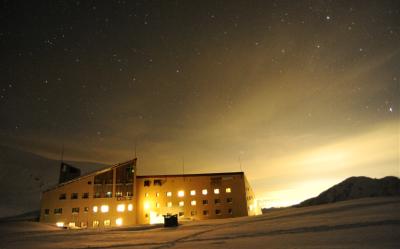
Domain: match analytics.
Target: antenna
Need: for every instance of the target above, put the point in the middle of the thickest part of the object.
(240, 163)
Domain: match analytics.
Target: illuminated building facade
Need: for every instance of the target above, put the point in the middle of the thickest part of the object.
(116, 196)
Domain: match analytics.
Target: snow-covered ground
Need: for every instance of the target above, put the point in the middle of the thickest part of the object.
(363, 223)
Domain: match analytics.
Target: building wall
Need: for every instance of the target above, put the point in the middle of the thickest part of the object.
(153, 200)
(150, 203)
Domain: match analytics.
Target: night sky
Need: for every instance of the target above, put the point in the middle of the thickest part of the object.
(305, 93)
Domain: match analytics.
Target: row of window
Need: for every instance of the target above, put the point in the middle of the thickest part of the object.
(181, 193)
(75, 196)
(103, 208)
(192, 203)
(194, 213)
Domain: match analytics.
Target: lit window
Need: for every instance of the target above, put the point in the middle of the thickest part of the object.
(75, 210)
(71, 224)
(109, 194)
(228, 190)
(107, 223)
(157, 194)
(95, 209)
(192, 192)
(118, 222)
(169, 204)
(95, 223)
(181, 204)
(169, 194)
(204, 191)
(86, 209)
(157, 205)
(146, 205)
(216, 191)
(104, 208)
(60, 224)
(121, 208)
(146, 194)
(181, 193)
(58, 211)
(193, 203)
(130, 207)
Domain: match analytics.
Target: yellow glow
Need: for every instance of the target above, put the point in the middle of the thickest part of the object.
(169, 194)
(181, 203)
(216, 191)
(146, 194)
(95, 209)
(204, 192)
(181, 193)
(60, 224)
(104, 208)
(118, 222)
(169, 204)
(157, 194)
(130, 207)
(71, 224)
(192, 192)
(155, 218)
(146, 205)
(121, 208)
(228, 190)
(193, 203)
(157, 205)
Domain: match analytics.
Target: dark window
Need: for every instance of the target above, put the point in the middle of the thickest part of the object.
(75, 210)
(74, 196)
(85, 195)
(205, 212)
(230, 211)
(181, 213)
(63, 196)
(147, 183)
(89, 182)
(46, 211)
(157, 182)
(217, 201)
(193, 213)
(124, 180)
(109, 194)
(86, 209)
(103, 184)
(58, 211)
(205, 202)
(229, 200)
(146, 215)
(217, 211)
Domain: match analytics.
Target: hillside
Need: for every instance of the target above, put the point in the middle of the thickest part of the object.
(355, 188)
(24, 175)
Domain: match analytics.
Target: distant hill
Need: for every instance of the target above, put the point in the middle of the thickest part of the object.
(24, 175)
(356, 187)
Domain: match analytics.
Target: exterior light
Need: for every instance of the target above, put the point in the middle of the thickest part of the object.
(130, 207)
(121, 208)
(204, 191)
(60, 224)
(118, 222)
(181, 193)
(95, 209)
(104, 208)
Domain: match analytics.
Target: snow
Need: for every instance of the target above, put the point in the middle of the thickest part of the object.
(363, 223)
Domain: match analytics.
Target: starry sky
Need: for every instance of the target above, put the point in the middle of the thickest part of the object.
(299, 94)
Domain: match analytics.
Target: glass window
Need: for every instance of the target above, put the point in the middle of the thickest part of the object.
(169, 204)
(118, 221)
(47, 211)
(192, 192)
(205, 212)
(157, 194)
(217, 212)
(181, 203)
(147, 183)
(157, 205)
(169, 194)
(95, 223)
(86, 209)
(181, 213)
(120, 208)
(181, 193)
(146, 194)
(75, 210)
(193, 203)
(103, 184)
(228, 190)
(95, 209)
(217, 201)
(230, 211)
(193, 213)
(107, 223)
(205, 202)
(74, 196)
(104, 208)
(58, 211)
(229, 200)
(216, 191)
(157, 182)
(85, 195)
(204, 192)
(63, 196)
(130, 207)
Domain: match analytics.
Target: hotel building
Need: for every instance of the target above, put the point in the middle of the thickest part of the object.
(116, 196)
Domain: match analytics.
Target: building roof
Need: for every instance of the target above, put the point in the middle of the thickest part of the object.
(139, 176)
